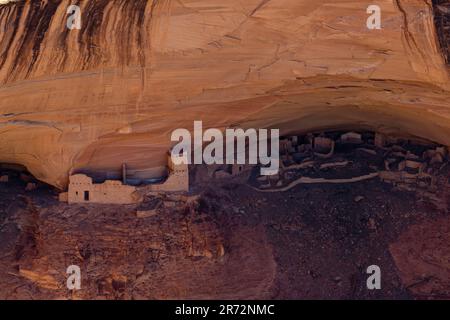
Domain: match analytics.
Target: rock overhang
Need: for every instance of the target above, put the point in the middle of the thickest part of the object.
(66, 99)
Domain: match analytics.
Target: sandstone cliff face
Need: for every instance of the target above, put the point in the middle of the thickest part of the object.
(112, 92)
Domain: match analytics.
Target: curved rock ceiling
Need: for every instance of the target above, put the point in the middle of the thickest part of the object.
(112, 92)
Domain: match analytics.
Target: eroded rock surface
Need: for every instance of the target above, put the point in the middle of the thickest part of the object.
(178, 253)
(112, 92)
(227, 242)
(422, 254)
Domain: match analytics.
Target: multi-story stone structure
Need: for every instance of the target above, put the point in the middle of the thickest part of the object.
(83, 190)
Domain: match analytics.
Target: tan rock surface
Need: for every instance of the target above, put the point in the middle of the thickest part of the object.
(112, 92)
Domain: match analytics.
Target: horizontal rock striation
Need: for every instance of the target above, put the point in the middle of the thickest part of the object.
(111, 93)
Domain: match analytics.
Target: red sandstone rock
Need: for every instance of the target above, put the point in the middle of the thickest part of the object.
(112, 92)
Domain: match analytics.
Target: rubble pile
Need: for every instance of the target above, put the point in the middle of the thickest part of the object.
(336, 157)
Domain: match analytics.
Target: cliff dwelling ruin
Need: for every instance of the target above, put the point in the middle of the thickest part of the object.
(82, 189)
